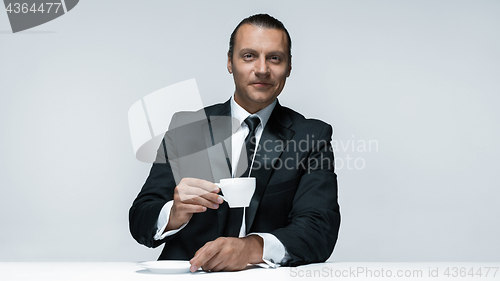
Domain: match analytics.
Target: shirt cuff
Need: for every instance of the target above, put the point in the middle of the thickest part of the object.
(274, 253)
(162, 222)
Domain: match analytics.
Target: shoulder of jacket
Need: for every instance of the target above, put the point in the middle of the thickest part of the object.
(298, 118)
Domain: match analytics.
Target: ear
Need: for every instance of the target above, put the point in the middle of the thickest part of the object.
(289, 67)
(229, 63)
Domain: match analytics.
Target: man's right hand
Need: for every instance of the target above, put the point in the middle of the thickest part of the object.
(192, 196)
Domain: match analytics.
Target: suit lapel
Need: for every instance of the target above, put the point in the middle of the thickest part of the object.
(276, 132)
(217, 134)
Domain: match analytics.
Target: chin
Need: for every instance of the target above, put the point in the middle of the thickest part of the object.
(262, 98)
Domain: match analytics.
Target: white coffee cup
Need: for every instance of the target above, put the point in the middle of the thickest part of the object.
(237, 192)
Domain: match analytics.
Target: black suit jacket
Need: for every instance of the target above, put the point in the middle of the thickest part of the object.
(296, 191)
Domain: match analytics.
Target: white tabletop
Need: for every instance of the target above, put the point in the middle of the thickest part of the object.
(123, 271)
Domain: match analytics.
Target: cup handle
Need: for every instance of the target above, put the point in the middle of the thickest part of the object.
(218, 185)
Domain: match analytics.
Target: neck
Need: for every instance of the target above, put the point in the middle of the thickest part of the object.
(251, 107)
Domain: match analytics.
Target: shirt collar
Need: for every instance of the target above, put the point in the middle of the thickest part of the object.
(241, 114)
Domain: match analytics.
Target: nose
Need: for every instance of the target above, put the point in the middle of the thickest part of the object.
(261, 67)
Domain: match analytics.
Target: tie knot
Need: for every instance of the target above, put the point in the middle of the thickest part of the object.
(252, 122)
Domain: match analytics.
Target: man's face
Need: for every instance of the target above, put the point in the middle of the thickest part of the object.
(260, 66)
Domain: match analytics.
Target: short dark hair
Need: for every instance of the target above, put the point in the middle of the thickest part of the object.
(261, 20)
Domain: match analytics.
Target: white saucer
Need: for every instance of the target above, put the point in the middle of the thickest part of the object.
(167, 267)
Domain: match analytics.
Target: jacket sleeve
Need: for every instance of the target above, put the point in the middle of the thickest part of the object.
(155, 193)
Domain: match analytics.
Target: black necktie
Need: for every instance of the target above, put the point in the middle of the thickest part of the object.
(250, 141)
(235, 215)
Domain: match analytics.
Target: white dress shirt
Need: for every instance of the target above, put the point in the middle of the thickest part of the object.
(274, 251)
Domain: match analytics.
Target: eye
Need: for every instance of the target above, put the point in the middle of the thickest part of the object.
(275, 58)
(248, 56)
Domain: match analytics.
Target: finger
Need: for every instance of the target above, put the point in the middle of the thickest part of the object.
(203, 255)
(220, 266)
(195, 195)
(214, 263)
(200, 201)
(191, 209)
(187, 192)
(212, 197)
(203, 184)
(192, 192)
(198, 260)
(224, 260)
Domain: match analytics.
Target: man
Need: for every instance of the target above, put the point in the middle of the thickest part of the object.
(293, 217)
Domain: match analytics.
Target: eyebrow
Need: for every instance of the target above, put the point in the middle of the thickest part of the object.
(248, 50)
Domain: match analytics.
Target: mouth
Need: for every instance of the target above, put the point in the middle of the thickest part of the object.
(261, 84)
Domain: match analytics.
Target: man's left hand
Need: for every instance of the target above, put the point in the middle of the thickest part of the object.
(228, 254)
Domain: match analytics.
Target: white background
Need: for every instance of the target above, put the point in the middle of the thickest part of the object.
(421, 78)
